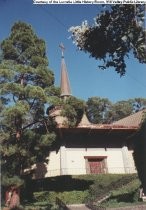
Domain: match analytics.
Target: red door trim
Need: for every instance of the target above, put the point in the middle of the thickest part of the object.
(95, 157)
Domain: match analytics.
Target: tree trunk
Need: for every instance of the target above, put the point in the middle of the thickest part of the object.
(140, 155)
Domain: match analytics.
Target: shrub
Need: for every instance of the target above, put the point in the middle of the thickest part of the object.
(72, 197)
(106, 184)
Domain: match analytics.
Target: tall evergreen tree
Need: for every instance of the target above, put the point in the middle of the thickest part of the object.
(26, 86)
(72, 110)
(24, 47)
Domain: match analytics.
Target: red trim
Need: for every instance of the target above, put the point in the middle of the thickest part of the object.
(103, 127)
(95, 157)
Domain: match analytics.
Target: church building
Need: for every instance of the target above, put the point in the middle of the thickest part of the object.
(91, 148)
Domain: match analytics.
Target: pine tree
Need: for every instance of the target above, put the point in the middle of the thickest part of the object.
(27, 85)
(72, 110)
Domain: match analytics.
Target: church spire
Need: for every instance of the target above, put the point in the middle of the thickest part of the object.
(65, 85)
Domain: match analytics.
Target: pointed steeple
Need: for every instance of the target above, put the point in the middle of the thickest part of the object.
(65, 85)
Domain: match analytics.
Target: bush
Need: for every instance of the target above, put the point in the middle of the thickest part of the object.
(105, 184)
(127, 194)
(72, 197)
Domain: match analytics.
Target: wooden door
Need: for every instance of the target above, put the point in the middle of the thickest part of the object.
(96, 166)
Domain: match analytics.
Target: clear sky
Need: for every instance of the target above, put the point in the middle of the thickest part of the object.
(51, 22)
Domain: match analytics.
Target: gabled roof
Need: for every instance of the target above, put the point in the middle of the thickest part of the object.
(84, 121)
(133, 120)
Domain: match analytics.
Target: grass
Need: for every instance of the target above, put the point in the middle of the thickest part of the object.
(127, 195)
(79, 189)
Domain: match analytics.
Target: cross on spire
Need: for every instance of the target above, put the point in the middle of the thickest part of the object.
(62, 49)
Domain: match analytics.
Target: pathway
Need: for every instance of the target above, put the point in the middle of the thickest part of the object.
(77, 207)
(83, 207)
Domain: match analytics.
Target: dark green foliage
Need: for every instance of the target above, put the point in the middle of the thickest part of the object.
(77, 189)
(120, 110)
(97, 109)
(68, 197)
(111, 182)
(14, 180)
(140, 154)
(127, 195)
(73, 110)
(24, 47)
(117, 31)
(139, 103)
(101, 110)
(26, 132)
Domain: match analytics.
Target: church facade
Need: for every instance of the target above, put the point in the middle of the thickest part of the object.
(95, 149)
(91, 148)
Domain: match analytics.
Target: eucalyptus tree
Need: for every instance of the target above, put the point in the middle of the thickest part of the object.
(120, 109)
(118, 31)
(97, 109)
(102, 110)
(139, 104)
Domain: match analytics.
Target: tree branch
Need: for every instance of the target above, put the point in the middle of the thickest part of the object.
(14, 99)
(46, 126)
(31, 124)
(31, 104)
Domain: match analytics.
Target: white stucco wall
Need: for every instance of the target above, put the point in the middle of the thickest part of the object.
(115, 160)
(132, 164)
(74, 163)
(53, 166)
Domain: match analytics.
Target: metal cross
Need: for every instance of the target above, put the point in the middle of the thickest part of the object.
(62, 49)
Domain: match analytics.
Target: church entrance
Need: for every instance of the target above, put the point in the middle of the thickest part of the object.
(96, 165)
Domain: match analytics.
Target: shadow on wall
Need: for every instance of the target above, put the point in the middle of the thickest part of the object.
(40, 170)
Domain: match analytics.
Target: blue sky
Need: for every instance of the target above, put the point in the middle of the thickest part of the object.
(51, 22)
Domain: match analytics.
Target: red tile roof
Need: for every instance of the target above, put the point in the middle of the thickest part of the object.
(133, 120)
